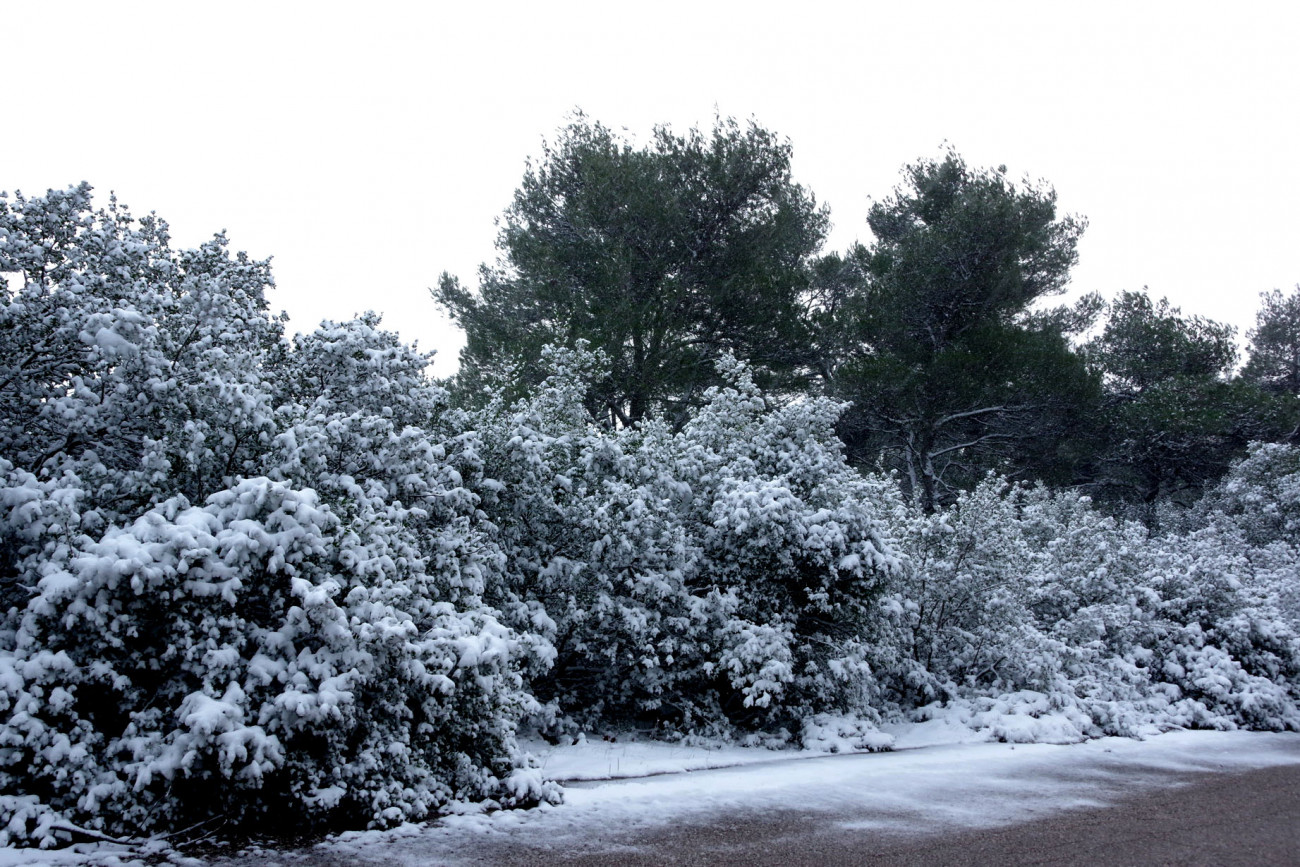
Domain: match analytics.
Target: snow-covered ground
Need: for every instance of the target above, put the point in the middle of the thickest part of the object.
(1016, 719)
(915, 790)
(933, 783)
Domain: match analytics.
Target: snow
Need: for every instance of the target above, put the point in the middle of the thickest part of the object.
(943, 776)
(942, 787)
(621, 758)
(941, 730)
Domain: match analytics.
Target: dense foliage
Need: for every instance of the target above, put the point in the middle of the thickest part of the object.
(721, 575)
(245, 578)
(1016, 588)
(238, 578)
(664, 257)
(1173, 417)
(1275, 343)
(946, 373)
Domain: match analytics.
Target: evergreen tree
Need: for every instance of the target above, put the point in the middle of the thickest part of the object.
(662, 257)
(1174, 417)
(1275, 343)
(948, 373)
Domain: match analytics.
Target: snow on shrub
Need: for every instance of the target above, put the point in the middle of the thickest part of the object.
(960, 606)
(694, 580)
(310, 640)
(1259, 500)
(249, 658)
(735, 573)
(1260, 494)
(138, 370)
(797, 535)
(1017, 588)
(1218, 633)
(842, 733)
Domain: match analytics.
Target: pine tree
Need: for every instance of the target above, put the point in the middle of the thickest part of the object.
(662, 257)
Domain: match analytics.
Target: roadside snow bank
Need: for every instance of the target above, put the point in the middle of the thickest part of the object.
(626, 755)
(1023, 717)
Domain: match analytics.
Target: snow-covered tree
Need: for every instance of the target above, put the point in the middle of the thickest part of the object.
(133, 370)
(240, 578)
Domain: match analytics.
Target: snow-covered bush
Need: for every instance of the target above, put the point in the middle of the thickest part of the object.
(258, 655)
(238, 578)
(1259, 501)
(1017, 588)
(242, 577)
(798, 537)
(1220, 635)
(1260, 495)
(138, 370)
(695, 580)
(960, 605)
(735, 573)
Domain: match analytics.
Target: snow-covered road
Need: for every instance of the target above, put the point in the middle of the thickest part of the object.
(930, 791)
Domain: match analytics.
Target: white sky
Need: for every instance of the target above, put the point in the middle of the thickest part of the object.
(369, 149)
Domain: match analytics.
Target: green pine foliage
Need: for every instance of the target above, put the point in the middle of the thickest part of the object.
(664, 257)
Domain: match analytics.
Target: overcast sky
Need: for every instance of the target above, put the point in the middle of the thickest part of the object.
(367, 149)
